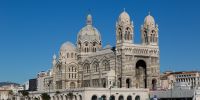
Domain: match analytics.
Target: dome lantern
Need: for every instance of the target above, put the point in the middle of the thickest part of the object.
(89, 19)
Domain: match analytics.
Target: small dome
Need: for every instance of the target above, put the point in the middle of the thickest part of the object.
(149, 21)
(89, 33)
(67, 46)
(124, 17)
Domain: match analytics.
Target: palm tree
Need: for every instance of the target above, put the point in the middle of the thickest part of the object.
(45, 96)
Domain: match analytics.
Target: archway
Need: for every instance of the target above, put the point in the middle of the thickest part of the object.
(121, 97)
(112, 97)
(137, 97)
(80, 97)
(128, 83)
(94, 97)
(154, 82)
(119, 82)
(141, 73)
(66, 97)
(72, 85)
(103, 97)
(129, 97)
(61, 97)
(57, 98)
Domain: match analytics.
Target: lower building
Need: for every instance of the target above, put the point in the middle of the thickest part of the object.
(32, 85)
(4, 94)
(183, 79)
(96, 94)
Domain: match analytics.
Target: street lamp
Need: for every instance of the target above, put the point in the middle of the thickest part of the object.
(49, 83)
(171, 88)
(110, 91)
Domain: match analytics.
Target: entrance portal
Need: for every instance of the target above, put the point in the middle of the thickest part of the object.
(154, 81)
(141, 73)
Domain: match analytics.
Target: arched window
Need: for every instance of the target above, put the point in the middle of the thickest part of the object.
(67, 55)
(129, 97)
(128, 83)
(96, 66)
(103, 97)
(126, 35)
(151, 38)
(120, 34)
(121, 97)
(79, 44)
(137, 97)
(75, 55)
(86, 67)
(94, 97)
(154, 38)
(112, 97)
(72, 55)
(72, 71)
(106, 65)
(72, 85)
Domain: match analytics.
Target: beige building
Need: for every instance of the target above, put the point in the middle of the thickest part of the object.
(130, 65)
(184, 79)
(129, 68)
(4, 94)
(8, 92)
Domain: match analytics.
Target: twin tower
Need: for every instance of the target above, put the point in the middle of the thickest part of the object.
(125, 30)
(89, 38)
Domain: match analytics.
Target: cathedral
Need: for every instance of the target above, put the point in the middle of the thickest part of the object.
(88, 71)
(125, 65)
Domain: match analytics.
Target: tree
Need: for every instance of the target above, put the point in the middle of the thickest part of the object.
(45, 96)
(57, 92)
(24, 93)
(70, 94)
(10, 93)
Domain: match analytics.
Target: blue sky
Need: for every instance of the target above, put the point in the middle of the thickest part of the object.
(31, 31)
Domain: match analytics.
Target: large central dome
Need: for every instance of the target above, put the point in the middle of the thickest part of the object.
(89, 33)
(89, 38)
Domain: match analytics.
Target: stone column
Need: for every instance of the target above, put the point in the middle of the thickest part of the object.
(91, 85)
(100, 81)
(123, 76)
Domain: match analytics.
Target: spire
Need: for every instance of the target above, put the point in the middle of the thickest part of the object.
(124, 9)
(54, 56)
(54, 59)
(149, 12)
(89, 19)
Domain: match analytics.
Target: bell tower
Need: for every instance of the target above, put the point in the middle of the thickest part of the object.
(149, 31)
(124, 29)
